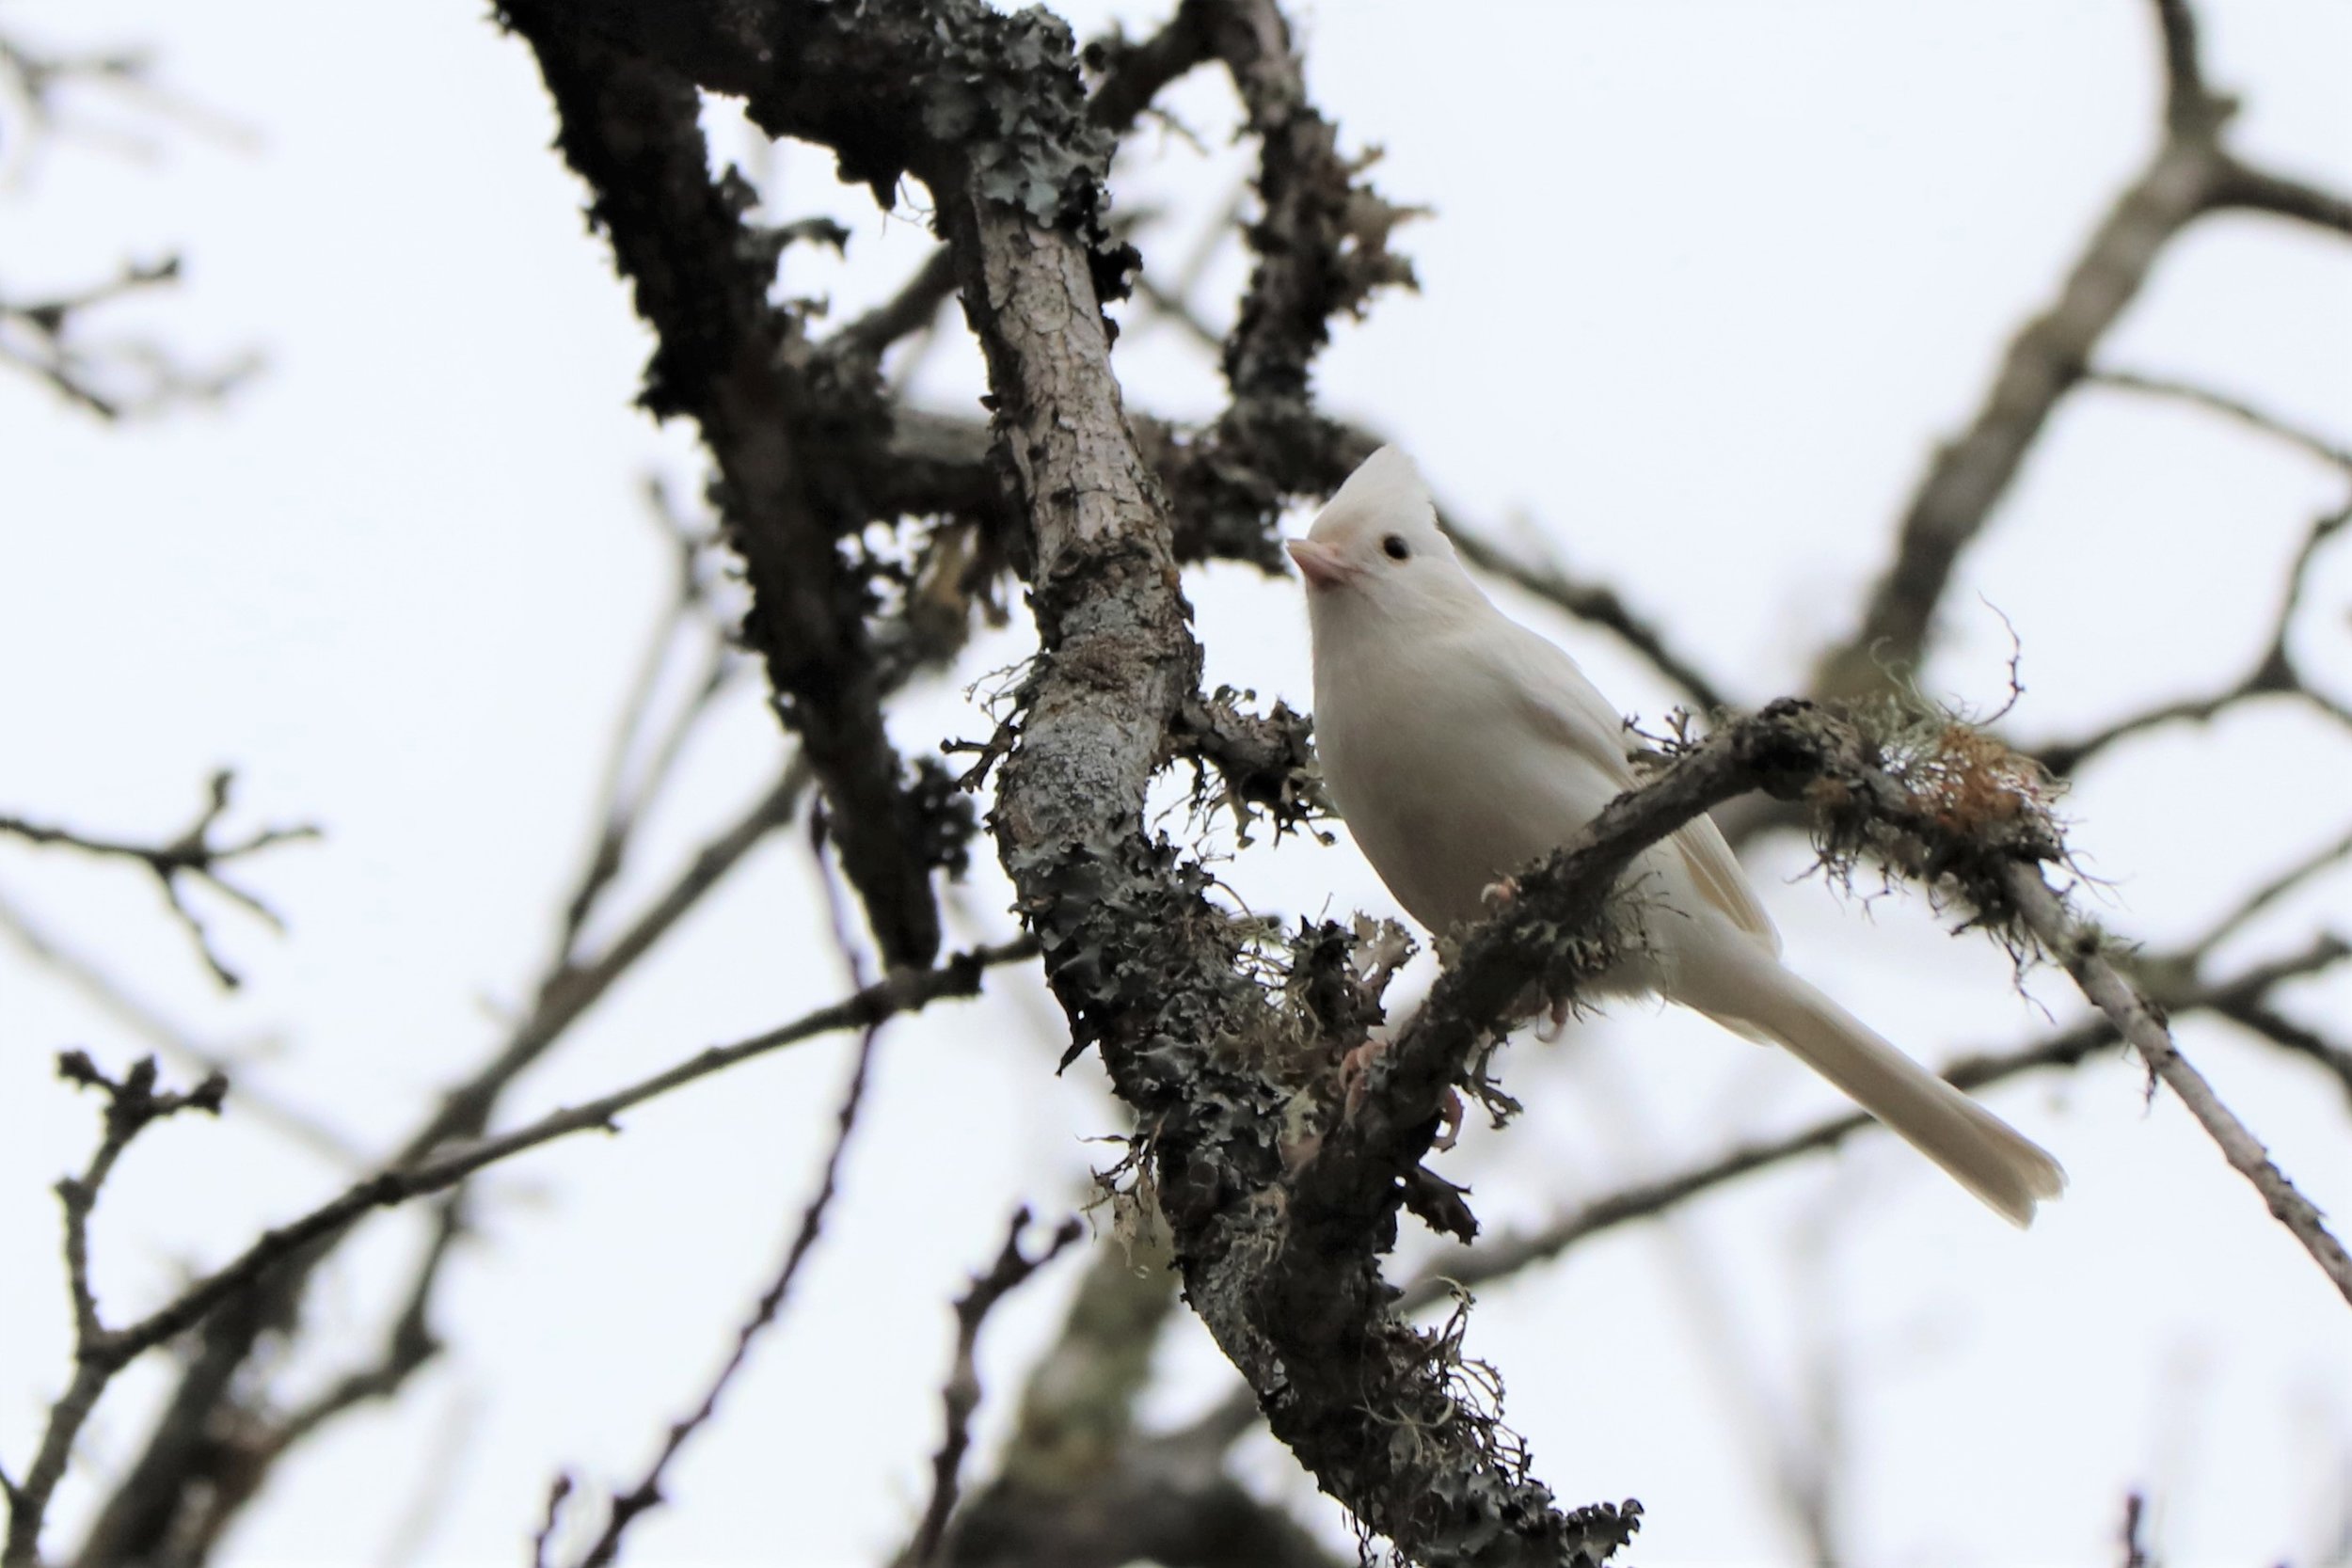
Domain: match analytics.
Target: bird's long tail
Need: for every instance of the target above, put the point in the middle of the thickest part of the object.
(2009, 1172)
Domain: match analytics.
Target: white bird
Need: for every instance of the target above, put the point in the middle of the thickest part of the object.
(1459, 747)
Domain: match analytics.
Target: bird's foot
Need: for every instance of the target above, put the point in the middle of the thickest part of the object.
(1353, 1068)
(1497, 895)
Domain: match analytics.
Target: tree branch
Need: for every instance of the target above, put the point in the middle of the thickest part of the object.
(702, 277)
(193, 855)
(2244, 413)
(2081, 949)
(2254, 190)
(961, 1394)
(46, 340)
(2190, 174)
(2066, 1048)
(903, 990)
(647, 1493)
(2274, 673)
(134, 1103)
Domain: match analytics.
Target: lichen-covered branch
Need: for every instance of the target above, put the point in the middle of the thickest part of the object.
(702, 278)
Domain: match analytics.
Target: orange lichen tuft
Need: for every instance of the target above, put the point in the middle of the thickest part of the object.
(1970, 782)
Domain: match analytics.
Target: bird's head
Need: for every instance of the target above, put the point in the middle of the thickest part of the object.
(1375, 548)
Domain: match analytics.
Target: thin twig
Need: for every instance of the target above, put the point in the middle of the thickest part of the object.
(2235, 919)
(914, 307)
(566, 992)
(115, 999)
(2283, 1032)
(409, 1344)
(134, 1103)
(2244, 413)
(100, 1353)
(2274, 673)
(2134, 1538)
(114, 380)
(2082, 950)
(903, 990)
(192, 855)
(627, 1505)
(961, 1395)
(557, 1492)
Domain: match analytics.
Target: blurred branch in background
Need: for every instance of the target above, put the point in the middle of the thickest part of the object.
(192, 857)
(2276, 672)
(114, 997)
(114, 378)
(962, 1393)
(625, 1507)
(2192, 174)
(52, 337)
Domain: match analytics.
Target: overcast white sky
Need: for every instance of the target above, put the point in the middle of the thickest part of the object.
(1703, 284)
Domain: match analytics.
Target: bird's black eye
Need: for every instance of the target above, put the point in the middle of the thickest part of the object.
(1395, 549)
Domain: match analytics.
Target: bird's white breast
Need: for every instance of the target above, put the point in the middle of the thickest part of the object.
(1443, 778)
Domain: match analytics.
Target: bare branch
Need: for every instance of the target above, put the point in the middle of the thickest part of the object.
(2082, 950)
(2244, 413)
(169, 1490)
(2264, 895)
(2063, 1048)
(2254, 190)
(409, 1344)
(2189, 107)
(2274, 673)
(2263, 1019)
(2134, 1538)
(2190, 174)
(647, 1493)
(1130, 75)
(47, 339)
(193, 855)
(626, 793)
(1592, 602)
(570, 990)
(119, 1002)
(961, 1394)
(902, 990)
(545, 1537)
(914, 306)
(134, 1103)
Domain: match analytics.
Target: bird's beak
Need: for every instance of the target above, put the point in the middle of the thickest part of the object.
(1321, 565)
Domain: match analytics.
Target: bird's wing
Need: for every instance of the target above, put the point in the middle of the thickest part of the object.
(1571, 709)
(1561, 704)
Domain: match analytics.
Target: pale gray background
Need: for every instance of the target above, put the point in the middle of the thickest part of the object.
(1705, 282)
